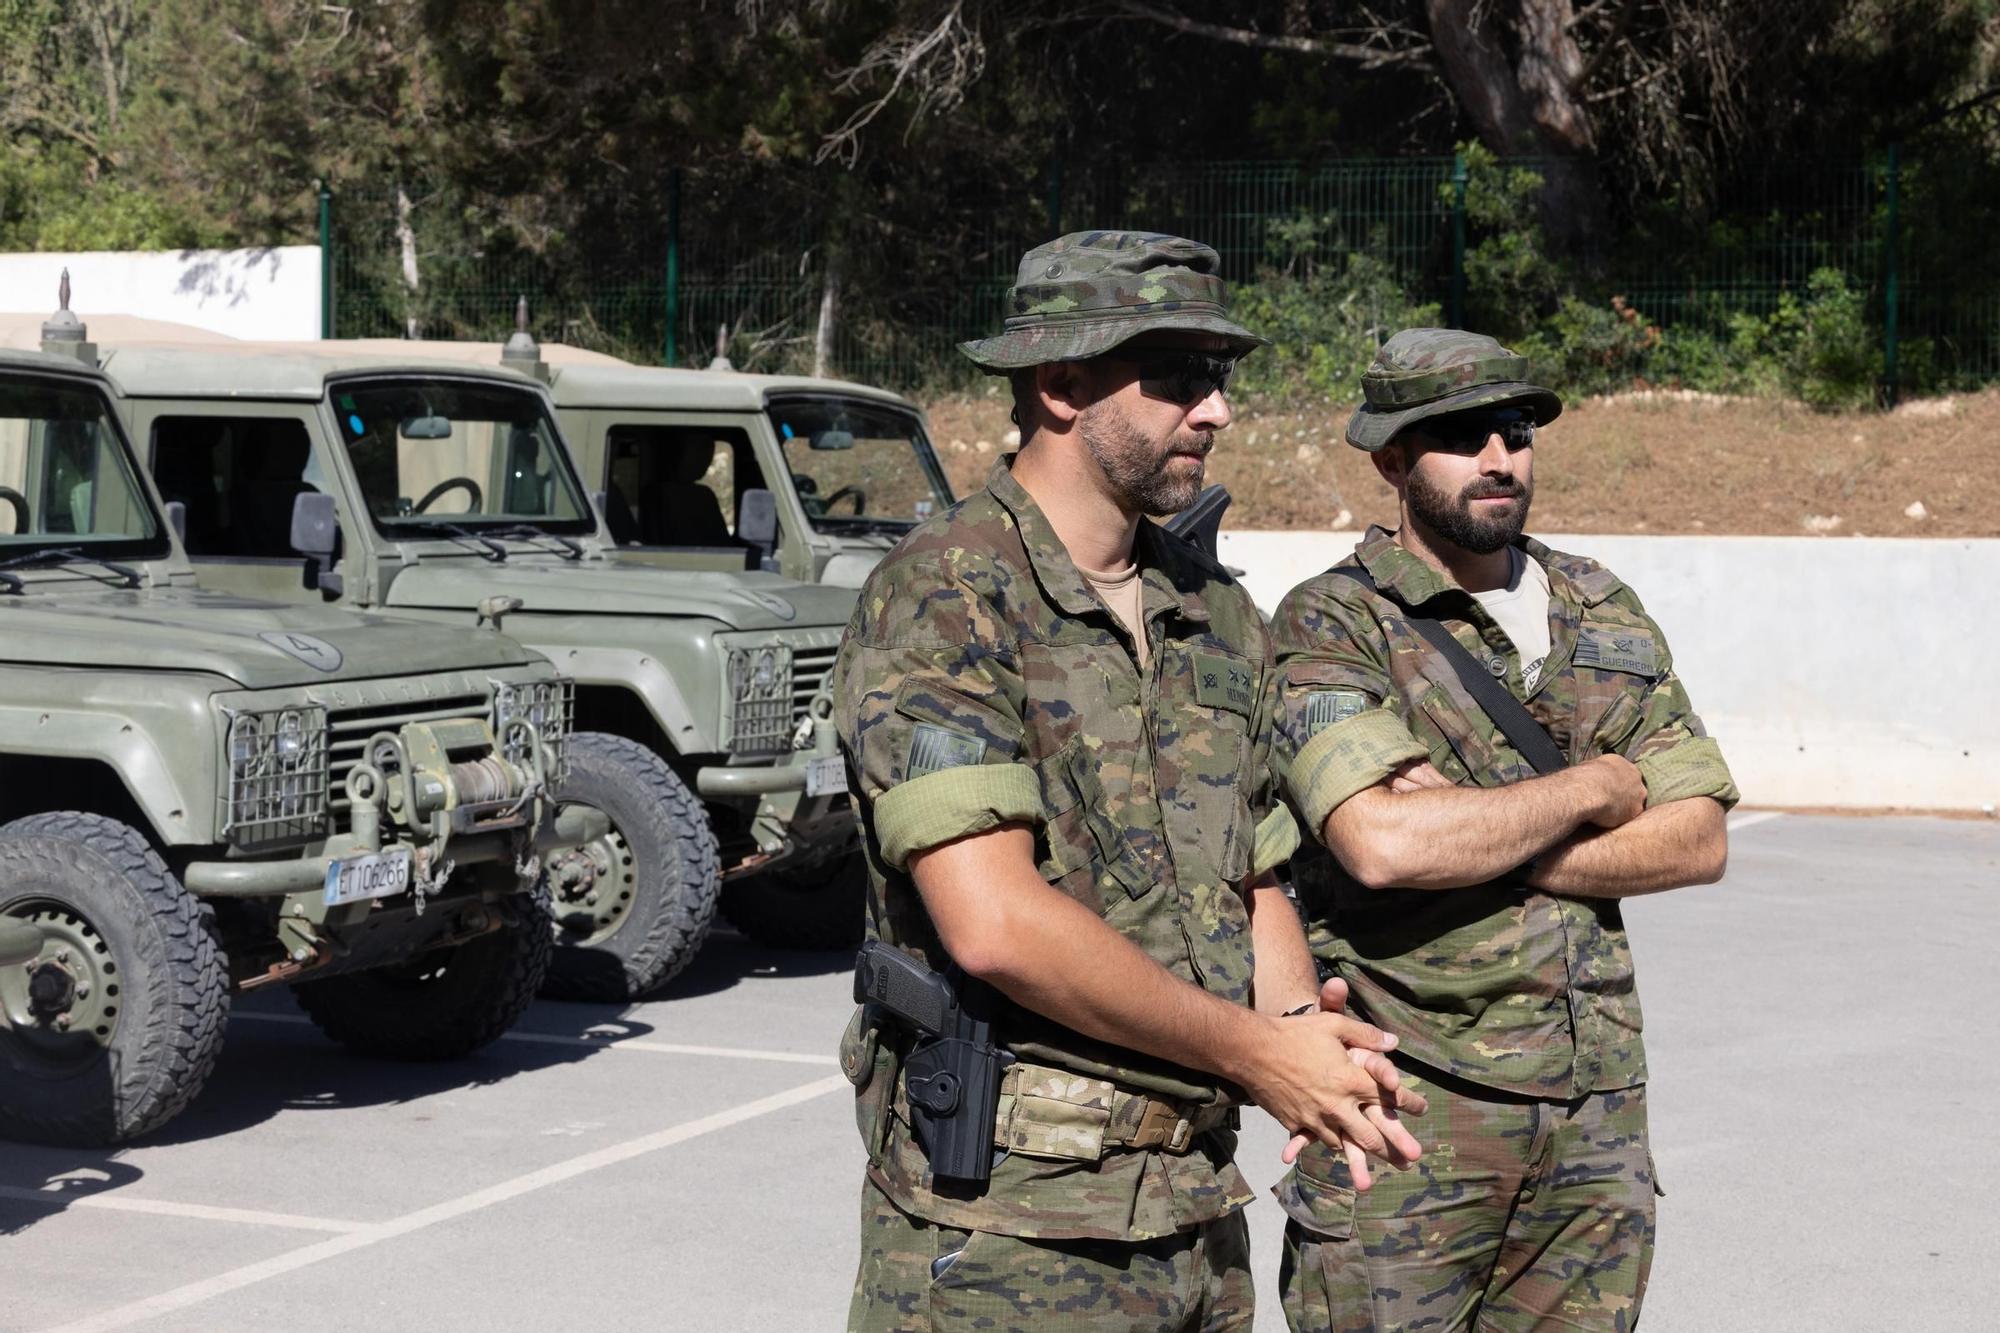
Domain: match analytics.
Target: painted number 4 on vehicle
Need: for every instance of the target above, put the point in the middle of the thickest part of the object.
(375, 876)
(826, 776)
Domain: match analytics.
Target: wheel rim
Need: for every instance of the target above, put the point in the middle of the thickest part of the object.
(62, 1006)
(592, 888)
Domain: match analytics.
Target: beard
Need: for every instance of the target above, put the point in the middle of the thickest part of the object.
(1452, 518)
(1149, 478)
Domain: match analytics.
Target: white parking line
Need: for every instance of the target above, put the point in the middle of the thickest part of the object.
(612, 1042)
(180, 1298)
(1753, 818)
(119, 1203)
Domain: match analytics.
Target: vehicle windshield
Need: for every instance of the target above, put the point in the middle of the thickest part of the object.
(859, 465)
(66, 477)
(441, 454)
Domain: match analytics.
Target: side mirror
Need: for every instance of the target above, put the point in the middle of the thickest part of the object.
(316, 536)
(757, 524)
(177, 515)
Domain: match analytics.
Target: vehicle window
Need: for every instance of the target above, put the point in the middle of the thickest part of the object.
(472, 454)
(65, 473)
(676, 485)
(238, 477)
(857, 465)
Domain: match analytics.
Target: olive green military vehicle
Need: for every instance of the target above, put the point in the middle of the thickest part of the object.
(444, 491)
(673, 454)
(206, 792)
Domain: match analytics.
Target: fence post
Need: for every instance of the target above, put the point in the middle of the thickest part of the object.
(1054, 202)
(325, 259)
(1458, 180)
(1891, 262)
(670, 352)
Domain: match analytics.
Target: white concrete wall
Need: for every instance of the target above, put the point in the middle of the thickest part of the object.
(262, 294)
(1834, 671)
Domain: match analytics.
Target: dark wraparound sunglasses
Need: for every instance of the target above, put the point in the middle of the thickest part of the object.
(1180, 377)
(1467, 432)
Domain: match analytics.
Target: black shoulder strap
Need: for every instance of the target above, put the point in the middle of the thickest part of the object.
(1516, 723)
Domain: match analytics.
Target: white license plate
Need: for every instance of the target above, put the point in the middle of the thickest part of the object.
(377, 875)
(826, 776)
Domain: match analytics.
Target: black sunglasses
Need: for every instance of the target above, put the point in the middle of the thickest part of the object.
(1467, 432)
(1181, 377)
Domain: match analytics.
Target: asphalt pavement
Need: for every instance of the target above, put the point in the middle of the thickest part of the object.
(1816, 1026)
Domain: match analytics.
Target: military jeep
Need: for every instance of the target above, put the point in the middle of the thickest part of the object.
(674, 453)
(205, 792)
(445, 492)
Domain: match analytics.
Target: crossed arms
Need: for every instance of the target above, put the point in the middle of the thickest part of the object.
(1586, 830)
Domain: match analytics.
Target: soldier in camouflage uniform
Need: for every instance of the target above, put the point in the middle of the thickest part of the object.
(1056, 718)
(1472, 906)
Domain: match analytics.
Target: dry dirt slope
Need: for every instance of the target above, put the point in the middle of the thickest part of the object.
(1658, 462)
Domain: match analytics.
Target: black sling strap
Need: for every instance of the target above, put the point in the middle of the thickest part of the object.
(1516, 723)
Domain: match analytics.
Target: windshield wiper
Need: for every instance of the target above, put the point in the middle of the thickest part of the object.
(530, 532)
(66, 555)
(497, 551)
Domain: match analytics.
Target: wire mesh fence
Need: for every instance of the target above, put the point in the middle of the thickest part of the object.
(804, 285)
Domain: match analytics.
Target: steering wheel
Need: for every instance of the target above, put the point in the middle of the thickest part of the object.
(854, 493)
(20, 506)
(466, 484)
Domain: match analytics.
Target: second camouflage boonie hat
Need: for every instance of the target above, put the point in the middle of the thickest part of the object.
(1428, 372)
(1082, 294)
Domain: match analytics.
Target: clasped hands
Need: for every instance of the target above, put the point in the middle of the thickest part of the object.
(1328, 1078)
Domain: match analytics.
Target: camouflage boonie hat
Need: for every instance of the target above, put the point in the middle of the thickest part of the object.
(1082, 294)
(1428, 372)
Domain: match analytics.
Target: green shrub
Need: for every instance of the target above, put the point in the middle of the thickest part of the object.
(1324, 325)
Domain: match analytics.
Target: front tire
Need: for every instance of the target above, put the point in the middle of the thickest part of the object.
(440, 1005)
(632, 908)
(823, 907)
(113, 1028)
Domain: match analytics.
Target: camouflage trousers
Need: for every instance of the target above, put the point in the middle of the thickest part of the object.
(1520, 1215)
(919, 1277)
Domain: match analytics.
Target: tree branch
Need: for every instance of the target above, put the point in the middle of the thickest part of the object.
(1370, 57)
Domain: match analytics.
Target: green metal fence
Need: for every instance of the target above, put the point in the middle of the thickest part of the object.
(747, 277)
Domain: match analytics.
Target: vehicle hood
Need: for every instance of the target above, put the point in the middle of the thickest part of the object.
(258, 644)
(740, 600)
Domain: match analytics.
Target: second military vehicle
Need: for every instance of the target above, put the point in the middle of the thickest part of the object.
(445, 492)
(208, 792)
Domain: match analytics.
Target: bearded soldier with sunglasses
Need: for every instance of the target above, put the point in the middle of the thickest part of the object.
(1480, 840)
(1057, 723)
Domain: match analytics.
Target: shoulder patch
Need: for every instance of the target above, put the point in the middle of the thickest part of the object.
(934, 748)
(1610, 650)
(1326, 707)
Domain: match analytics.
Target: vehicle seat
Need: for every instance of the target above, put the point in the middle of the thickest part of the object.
(618, 518)
(273, 479)
(676, 509)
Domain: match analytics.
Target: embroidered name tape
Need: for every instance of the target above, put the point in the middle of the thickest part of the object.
(933, 748)
(1224, 682)
(1608, 650)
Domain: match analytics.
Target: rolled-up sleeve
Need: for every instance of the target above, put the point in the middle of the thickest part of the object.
(928, 697)
(1675, 755)
(1336, 732)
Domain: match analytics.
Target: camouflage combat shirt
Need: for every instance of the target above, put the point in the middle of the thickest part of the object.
(982, 682)
(1501, 984)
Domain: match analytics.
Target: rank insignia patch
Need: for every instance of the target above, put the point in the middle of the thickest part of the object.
(933, 748)
(1223, 682)
(1609, 650)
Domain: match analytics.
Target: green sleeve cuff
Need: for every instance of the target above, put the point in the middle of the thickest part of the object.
(1353, 754)
(1277, 839)
(1693, 767)
(917, 815)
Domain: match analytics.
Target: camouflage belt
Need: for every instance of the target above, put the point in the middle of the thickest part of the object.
(1050, 1112)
